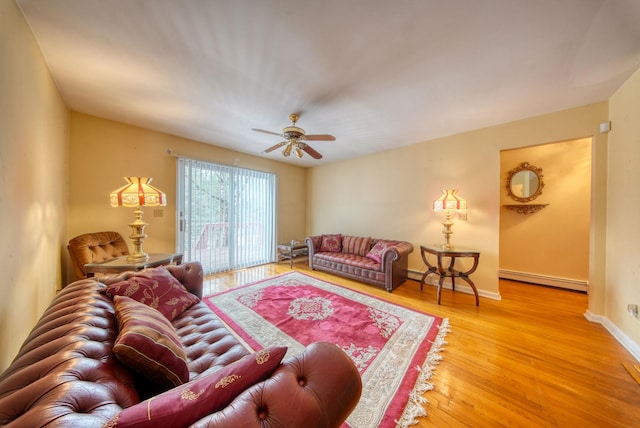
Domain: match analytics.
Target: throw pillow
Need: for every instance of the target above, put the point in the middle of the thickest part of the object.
(331, 243)
(356, 245)
(148, 344)
(378, 249)
(186, 404)
(155, 287)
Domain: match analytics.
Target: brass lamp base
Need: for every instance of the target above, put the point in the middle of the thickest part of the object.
(137, 236)
(137, 257)
(447, 232)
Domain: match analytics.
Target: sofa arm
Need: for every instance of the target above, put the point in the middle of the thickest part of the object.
(313, 246)
(395, 261)
(317, 388)
(190, 275)
(396, 252)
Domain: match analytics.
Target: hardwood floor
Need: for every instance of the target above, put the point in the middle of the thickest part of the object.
(529, 360)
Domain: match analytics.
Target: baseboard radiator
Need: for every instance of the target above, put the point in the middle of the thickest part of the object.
(532, 278)
(552, 281)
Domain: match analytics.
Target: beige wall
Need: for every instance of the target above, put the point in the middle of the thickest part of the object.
(103, 152)
(623, 227)
(390, 194)
(550, 246)
(33, 182)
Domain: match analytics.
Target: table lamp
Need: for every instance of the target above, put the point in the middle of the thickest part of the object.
(448, 203)
(138, 193)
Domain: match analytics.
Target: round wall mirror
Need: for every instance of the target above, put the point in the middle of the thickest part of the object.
(524, 182)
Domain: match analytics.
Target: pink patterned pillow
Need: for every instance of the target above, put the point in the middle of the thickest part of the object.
(148, 344)
(331, 243)
(157, 288)
(356, 245)
(379, 248)
(186, 404)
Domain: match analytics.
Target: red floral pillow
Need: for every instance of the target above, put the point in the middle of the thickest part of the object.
(155, 287)
(331, 243)
(186, 404)
(148, 344)
(379, 248)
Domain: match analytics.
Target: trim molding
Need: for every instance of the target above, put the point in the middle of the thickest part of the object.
(553, 281)
(618, 334)
(460, 286)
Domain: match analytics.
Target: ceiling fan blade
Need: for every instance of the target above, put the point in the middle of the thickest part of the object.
(275, 146)
(266, 132)
(320, 137)
(307, 148)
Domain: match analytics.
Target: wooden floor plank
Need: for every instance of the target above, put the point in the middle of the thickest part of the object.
(529, 360)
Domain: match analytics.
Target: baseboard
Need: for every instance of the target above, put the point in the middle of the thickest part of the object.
(625, 341)
(552, 281)
(460, 285)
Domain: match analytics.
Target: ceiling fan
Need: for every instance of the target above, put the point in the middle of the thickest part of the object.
(295, 140)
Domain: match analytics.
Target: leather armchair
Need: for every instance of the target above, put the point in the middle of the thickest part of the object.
(95, 247)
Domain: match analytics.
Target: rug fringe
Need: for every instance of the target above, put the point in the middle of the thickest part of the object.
(416, 407)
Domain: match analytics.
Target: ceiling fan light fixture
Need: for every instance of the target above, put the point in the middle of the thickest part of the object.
(293, 132)
(295, 140)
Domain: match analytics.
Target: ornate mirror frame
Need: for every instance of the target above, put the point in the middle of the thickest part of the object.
(525, 167)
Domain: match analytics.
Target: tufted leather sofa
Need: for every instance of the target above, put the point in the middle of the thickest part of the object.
(66, 375)
(389, 274)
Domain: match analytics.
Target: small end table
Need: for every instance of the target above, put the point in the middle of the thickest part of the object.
(120, 264)
(290, 251)
(450, 271)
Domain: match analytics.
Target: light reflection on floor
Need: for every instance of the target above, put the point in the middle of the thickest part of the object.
(228, 280)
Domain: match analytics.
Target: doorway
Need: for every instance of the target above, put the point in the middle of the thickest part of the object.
(549, 246)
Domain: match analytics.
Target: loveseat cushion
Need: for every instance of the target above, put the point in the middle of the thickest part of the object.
(331, 243)
(357, 245)
(186, 404)
(148, 344)
(349, 260)
(379, 248)
(157, 288)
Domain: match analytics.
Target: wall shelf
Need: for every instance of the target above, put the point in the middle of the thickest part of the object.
(525, 208)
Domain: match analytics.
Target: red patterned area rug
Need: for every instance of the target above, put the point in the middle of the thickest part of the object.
(394, 348)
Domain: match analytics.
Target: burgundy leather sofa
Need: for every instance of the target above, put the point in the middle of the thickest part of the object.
(354, 259)
(66, 375)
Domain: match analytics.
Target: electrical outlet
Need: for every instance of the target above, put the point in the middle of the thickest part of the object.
(158, 212)
(633, 310)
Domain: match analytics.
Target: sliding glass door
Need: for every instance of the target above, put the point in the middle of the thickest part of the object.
(226, 215)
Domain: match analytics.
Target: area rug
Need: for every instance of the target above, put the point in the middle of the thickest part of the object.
(395, 348)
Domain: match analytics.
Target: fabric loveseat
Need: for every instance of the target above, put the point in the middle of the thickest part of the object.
(374, 261)
(66, 373)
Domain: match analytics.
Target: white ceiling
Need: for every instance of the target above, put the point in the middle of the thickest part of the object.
(377, 74)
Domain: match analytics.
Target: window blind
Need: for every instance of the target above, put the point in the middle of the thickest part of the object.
(226, 215)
